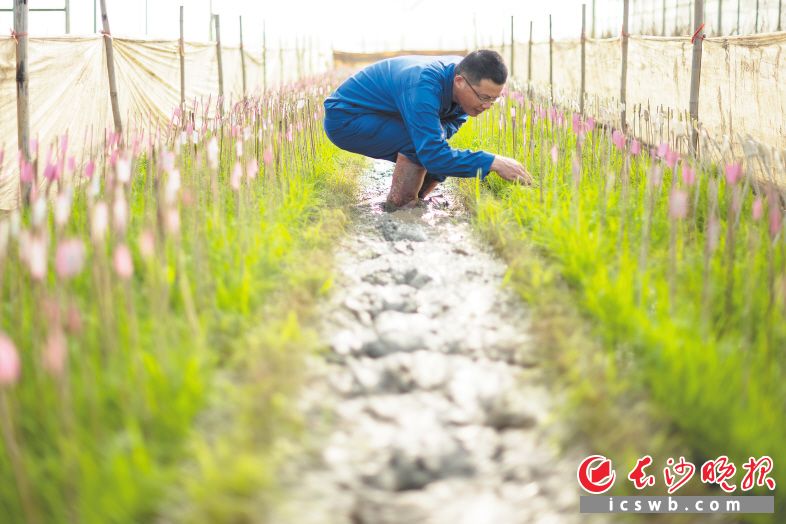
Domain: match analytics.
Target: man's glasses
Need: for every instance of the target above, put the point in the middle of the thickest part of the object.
(484, 99)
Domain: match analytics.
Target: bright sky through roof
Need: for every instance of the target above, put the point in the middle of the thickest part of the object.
(352, 25)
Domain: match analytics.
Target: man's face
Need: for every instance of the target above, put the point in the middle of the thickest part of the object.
(475, 98)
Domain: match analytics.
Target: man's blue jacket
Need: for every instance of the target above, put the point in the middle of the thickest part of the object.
(419, 91)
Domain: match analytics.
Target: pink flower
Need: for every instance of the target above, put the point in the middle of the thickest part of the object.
(51, 172)
(26, 172)
(69, 258)
(289, 134)
(212, 153)
(578, 128)
(671, 158)
(678, 204)
(120, 212)
(757, 210)
(124, 265)
(236, 177)
(252, 168)
(713, 233)
(635, 147)
(590, 124)
(267, 157)
(63, 207)
(554, 153)
(688, 175)
(733, 173)
(172, 221)
(618, 139)
(55, 352)
(147, 243)
(662, 150)
(90, 168)
(100, 221)
(9, 362)
(36, 257)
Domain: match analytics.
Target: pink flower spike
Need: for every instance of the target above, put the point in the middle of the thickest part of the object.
(124, 265)
(9, 362)
(26, 172)
(236, 177)
(55, 352)
(252, 168)
(90, 168)
(590, 124)
(671, 158)
(757, 210)
(69, 258)
(635, 147)
(678, 204)
(662, 150)
(733, 173)
(267, 157)
(36, 257)
(554, 153)
(688, 174)
(618, 139)
(147, 243)
(289, 134)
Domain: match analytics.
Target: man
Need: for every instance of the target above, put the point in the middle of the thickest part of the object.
(405, 109)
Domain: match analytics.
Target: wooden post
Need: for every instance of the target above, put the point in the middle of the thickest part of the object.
(264, 57)
(695, 74)
(583, 56)
(676, 17)
(529, 61)
(182, 51)
(663, 26)
(719, 30)
(756, 23)
(68, 17)
(593, 19)
(22, 102)
(242, 57)
(551, 63)
(624, 74)
(217, 26)
(110, 66)
(512, 46)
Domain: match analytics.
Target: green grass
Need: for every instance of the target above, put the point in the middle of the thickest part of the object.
(702, 343)
(178, 386)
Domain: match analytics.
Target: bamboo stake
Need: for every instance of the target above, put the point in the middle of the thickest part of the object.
(593, 18)
(217, 24)
(242, 56)
(264, 57)
(695, 73)
(583, 56)
(624, 73)
(22, 101)
(719, 30)
(110, 65)
(182, 69)
(529, 61)
(512, 46)
(551, 63)
(756, 23)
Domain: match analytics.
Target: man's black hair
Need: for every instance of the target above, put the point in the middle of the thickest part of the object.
(483, 64)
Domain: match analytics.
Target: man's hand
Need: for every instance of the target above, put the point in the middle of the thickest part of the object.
(511, 170)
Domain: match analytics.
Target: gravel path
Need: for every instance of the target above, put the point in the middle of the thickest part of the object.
(431, 405)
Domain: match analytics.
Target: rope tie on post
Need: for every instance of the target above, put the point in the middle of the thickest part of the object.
(16, 36)
(696, 34)
(106, 34)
